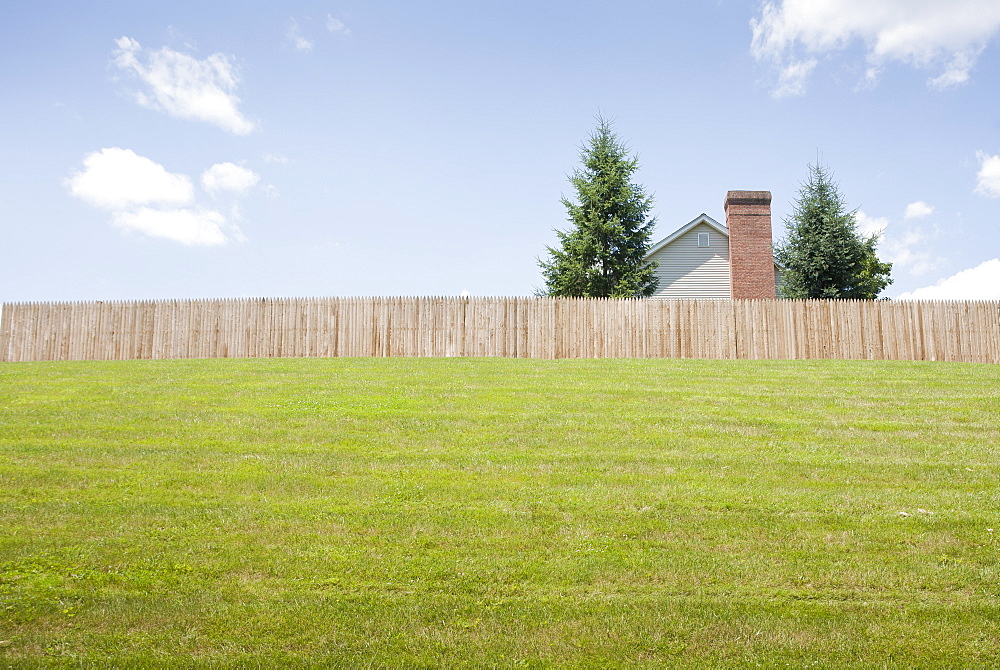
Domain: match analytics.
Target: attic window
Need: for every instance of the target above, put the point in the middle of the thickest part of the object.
(702, 239)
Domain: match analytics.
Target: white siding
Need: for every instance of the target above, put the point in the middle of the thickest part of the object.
(689, 271)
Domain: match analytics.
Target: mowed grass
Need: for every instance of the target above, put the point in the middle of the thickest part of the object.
(500, 513)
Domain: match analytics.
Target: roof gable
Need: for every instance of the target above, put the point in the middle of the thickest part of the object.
(701, 218)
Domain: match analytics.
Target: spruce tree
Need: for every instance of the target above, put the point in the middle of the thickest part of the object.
(823, 255)
(602, 255)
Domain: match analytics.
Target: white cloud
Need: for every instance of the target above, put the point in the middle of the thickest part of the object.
(793, 77)
(870, 225)
(957, 72)
(908, 247)
(115, 178)
(945, 34)
(979, 283)
(144, 197)
(296, 38)
(293, 32)
(228, 177)
(918, 209)
(872, 75)
(189, 227)
(335, 25)
(275, 158)
(989, 175)
(911, 250)
(914, 260)
(184, 86)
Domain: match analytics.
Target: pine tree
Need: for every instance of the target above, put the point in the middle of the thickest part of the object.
(823, 255)
(603, 254)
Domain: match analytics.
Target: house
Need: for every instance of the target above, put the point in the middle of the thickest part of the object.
(705, 259)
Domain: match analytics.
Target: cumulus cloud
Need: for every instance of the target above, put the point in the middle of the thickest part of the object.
(918, 209)
(115, 178)
(911, 249)
(293, 32)
(870, 225)
(957, 71)
(947, 35)
(185, 87)
(793, 77)
(979, 283)
(144, 197)
(228, 177)
(907, 246)
(335, 25)
(275, 158)
(187, 226)
(296, 38)
(989, 175)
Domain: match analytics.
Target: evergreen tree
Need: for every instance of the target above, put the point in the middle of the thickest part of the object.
(823, 255)
(602, 255)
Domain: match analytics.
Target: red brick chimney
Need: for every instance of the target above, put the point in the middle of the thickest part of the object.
(751, 259)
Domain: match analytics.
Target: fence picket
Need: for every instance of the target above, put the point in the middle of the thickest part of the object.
(512, 327)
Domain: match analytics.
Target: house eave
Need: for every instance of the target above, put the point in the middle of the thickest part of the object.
(700, 219)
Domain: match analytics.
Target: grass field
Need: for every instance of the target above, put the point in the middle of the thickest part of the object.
(495, 512)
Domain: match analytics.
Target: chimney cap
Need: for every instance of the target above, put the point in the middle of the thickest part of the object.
(747, 198)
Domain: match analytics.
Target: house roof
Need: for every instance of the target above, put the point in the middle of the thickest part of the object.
(701, 218)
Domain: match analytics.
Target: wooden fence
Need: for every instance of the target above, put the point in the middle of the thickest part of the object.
(513, 327)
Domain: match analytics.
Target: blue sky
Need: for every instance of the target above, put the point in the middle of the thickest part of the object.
(175, 150)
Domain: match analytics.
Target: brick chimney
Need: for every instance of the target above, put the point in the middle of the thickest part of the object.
(751, 259)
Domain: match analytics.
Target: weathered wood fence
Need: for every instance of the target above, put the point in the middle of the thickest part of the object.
(513, 327)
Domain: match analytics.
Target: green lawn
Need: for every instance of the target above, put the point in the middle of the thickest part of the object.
(496, 512)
